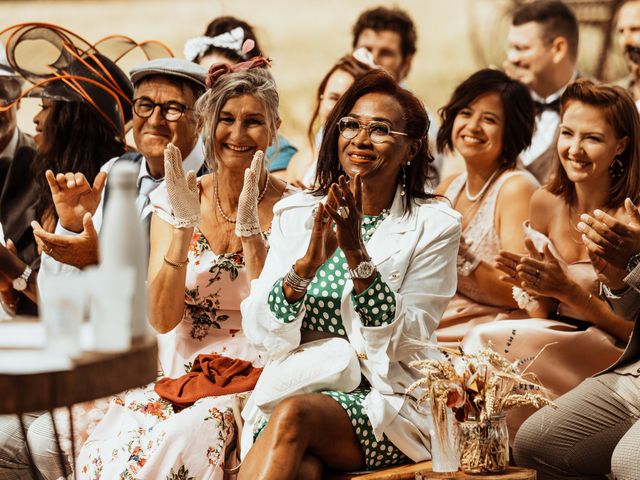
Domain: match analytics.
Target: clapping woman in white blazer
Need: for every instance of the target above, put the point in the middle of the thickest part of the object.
(369, 257)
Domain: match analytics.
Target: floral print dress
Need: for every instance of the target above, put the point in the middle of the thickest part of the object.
(140, 436)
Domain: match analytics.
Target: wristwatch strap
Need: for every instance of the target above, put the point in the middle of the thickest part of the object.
(633, 279)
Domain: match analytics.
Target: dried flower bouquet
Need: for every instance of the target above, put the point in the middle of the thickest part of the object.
(476, 386)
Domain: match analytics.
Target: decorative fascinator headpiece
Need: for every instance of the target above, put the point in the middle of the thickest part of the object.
(63, 66)
(198, 46)
(219, 69)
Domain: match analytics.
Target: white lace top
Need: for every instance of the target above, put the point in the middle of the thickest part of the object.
(481, 232)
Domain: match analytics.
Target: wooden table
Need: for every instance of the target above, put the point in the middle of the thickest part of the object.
(91, 375)
(422, 471)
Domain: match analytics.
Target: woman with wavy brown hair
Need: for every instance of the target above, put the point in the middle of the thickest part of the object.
(576, 330)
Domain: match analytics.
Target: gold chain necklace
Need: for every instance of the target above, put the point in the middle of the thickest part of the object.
(219, 205)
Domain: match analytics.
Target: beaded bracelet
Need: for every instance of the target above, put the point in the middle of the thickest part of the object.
(176, 265)
(522, 298)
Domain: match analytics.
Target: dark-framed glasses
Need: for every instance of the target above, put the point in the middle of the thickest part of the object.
(378, 132)
(170, 111)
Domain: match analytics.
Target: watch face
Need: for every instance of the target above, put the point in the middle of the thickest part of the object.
(633, 262)
(363, 270)
(366, 269)
(19, 284)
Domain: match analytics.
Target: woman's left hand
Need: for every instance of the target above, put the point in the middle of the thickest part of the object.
(347, 213)
(542, 274)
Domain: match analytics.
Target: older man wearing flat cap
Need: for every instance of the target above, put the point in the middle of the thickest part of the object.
(165, 92)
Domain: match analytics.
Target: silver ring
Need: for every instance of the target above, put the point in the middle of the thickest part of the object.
(537, 273)
(343, 212)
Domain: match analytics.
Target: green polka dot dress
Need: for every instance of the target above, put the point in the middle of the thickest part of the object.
(375, 306)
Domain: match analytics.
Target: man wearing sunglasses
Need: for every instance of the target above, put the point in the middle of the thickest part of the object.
(165, 92)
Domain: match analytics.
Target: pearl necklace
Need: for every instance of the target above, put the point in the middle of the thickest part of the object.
(219, 205)
(473, 198)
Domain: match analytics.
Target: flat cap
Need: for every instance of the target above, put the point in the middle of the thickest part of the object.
(172, 67)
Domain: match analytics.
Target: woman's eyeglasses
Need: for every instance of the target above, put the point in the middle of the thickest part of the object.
(170, 111)
(378, 132)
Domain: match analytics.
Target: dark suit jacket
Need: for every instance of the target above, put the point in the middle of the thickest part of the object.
(543, 166)
(18, 193)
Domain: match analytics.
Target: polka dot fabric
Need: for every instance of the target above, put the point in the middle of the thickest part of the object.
(376, 306)
(377, 453)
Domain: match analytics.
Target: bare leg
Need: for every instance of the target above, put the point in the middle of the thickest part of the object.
(310, 468)
(312, 424)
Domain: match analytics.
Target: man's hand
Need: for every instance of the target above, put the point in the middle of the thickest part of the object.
(610, 239)
(73, 197)
(79, 251)
(10, 263)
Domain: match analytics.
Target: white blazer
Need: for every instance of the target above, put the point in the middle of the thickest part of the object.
(416, 255)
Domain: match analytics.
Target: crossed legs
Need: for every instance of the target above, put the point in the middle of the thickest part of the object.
(14, 460)
(304, 433)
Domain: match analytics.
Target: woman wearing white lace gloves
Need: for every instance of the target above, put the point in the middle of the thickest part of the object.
(199, 273)
(248, 220)
(166, 283)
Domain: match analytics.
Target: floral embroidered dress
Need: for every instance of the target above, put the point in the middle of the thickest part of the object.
(141, 437)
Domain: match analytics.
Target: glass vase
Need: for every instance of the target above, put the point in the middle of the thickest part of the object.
(484, 446)
(445, 457)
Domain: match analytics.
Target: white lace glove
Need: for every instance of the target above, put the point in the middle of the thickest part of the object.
(247, 221)
(182, 189)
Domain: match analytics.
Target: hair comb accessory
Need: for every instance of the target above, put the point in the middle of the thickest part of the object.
(219, 69)
(363, 55)
(247, 46)
(232, 40)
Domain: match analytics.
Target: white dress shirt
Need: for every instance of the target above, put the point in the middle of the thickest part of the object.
(547, 123)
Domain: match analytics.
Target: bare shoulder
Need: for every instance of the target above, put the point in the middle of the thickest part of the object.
(442, 187)
(518, 186)
(543, 209)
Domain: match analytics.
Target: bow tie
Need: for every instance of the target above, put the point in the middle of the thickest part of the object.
(541, 107)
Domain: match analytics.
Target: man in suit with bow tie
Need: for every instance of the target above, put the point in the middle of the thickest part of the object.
(542, 48)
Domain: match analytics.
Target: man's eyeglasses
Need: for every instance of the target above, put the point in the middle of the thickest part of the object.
(378, 132)
(9, 90)
(170, 111)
